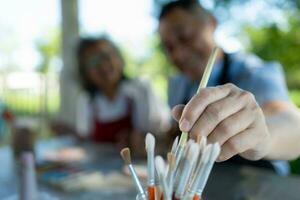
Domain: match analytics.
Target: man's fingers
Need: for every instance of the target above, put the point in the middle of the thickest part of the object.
(238, 144)
(177, 111)
(231, 126)
(215, 113)
(199, 102)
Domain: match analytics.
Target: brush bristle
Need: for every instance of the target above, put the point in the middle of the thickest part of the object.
(169, 157)
(202, 144)
(160, 165)
(125, 153)
(206, 153)
(174, 146)
(189, 143)
(199, 139)
(150, 142)
(193, 152)
(183, 139)
(171, 160)
(216, 149)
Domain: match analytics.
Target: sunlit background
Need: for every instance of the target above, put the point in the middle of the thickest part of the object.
(30, 56)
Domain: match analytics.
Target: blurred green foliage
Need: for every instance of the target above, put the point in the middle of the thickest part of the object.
(48, 48)
(283, 45)
(23, 103)
(154, 66)
(295, 96)
(275, 43)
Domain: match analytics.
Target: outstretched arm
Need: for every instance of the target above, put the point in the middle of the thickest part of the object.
(283, 121)
(232, 117)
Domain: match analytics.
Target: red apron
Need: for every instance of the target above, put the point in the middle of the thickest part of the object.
(110, 131)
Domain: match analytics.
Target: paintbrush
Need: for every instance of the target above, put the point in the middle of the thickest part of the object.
(180, 150)
(203, 84)
(189, 161)
(171, 171)
(180, 147)
(125, 153)
(150, 146)
(174, 146)
(201, 141)
(204, 80)
(208, 69)
(192, 188)
(215, 151)
(158, 192)
(160, 167)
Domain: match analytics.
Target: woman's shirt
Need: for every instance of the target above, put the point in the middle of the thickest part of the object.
(134, 99)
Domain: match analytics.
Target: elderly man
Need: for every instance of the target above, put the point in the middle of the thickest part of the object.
(246, 107)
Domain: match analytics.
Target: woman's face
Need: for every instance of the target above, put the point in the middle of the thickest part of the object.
(104, 67)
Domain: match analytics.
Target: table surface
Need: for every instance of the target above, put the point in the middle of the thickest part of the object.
(226, 181)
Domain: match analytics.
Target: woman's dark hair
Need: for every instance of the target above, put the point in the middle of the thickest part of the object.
(83, 45)
(192, 6)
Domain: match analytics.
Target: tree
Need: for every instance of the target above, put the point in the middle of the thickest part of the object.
(48, 49)
(225, 4)
(154, 66)
(274, 43)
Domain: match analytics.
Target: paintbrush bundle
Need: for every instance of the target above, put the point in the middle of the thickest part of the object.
(188, 165)
(183, 176)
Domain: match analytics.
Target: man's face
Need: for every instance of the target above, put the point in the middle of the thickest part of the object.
(187, 41)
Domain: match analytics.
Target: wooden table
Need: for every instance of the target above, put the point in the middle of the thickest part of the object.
(226, 182)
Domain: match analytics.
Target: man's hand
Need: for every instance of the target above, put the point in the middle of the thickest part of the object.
(227, 115)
